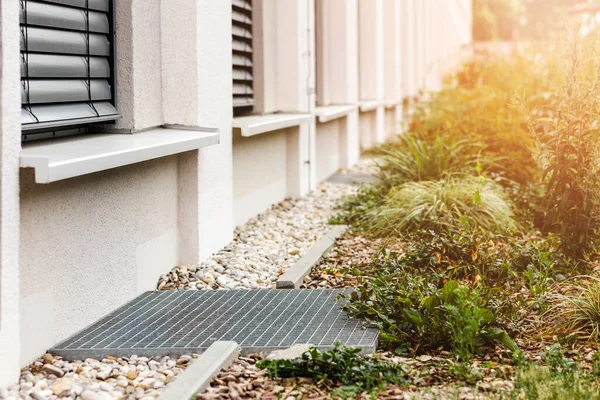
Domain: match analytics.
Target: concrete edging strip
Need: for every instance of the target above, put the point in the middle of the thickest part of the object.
(294, 276)
(200, 373)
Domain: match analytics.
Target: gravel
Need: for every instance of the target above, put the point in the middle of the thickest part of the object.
(265, 246)
(428, 375)
(51, 377)
(349, 262)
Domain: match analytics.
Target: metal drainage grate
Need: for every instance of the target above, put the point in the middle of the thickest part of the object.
(352, 178)
(177, 322)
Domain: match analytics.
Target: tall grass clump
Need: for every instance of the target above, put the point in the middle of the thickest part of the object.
(445, 205)
(576, 313)
(416, 158)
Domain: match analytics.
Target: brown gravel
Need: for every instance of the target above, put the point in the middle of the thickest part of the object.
(429, 378)
(348, 263)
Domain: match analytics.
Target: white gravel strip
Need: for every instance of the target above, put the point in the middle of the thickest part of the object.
(111, 378)
(265, 246)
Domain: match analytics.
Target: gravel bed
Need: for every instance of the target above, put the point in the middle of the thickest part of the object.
(122, 378)
(264, 247)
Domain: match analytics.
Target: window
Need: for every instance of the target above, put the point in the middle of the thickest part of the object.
(243, 94)
(67, 66)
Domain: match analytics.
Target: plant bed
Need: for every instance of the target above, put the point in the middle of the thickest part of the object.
(481, 235)
(476, 251)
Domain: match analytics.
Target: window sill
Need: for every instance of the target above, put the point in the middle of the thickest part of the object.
(366, 106)
(256, 124)
(60, 159)
(329, 113)
(392, 103)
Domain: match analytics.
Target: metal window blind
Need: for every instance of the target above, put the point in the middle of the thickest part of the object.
(66, 70)
(241, 14)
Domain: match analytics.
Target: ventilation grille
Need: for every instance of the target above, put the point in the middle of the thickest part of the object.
(243, 91)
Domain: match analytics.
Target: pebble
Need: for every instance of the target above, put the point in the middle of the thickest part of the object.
(52, 370)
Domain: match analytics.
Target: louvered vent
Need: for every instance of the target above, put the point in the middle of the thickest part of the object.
(66, 64)
(243, 93)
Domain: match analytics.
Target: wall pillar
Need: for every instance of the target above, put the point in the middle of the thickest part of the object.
(337, 67)
(284, 76)
(399, 109)
(139, 87)
(393, 62)
(10, 146)
(421, 37)
(372, 66)
(409, 79)
(197, 91)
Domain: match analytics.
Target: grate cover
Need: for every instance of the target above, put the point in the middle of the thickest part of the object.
(352, 178)
(177, 322)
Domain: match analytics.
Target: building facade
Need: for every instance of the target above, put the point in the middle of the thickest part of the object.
(166, 123)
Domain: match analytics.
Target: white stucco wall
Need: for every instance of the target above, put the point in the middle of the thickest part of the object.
(409, 76)
(392, 124)
(371, 34)
(367, 128)
(330, 140)
(91, 243)
(9, 191)
(337, 51)
(260, 177)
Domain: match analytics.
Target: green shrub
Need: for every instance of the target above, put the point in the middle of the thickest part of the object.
(476, 256)
(426, 312)
(355, 206)
(542, 383)
(446, 205)
(342, 365)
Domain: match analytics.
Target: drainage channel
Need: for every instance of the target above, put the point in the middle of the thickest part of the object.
(177, 322)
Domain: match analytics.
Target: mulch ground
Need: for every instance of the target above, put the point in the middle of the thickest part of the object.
(429, 377)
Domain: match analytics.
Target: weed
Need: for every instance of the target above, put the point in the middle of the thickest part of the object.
(464, 371)
(559, 378)
(536, 382)
(341, 365)
(476, 256)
